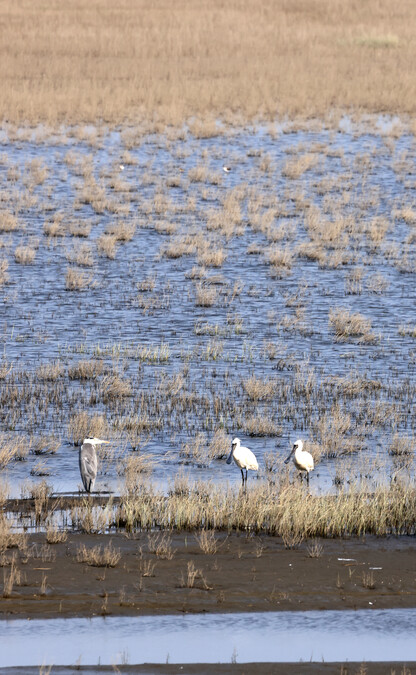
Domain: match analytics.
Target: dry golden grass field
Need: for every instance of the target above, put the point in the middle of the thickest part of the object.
(84, 61)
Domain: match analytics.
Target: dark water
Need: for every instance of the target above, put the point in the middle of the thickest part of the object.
(252, 329)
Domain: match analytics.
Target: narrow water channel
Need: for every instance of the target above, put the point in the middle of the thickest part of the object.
(365, 635)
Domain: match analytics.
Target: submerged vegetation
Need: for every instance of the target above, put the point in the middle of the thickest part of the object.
(173, 276)
(169, 316)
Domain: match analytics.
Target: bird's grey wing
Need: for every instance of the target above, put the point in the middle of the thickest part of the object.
(88, 465)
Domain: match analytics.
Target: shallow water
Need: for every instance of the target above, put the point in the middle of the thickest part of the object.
(251, 329)
(365, 635)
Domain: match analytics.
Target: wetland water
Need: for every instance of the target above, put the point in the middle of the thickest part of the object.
(366, 635)
(209, 304)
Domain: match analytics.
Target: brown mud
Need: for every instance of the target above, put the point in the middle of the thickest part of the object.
(246, 574)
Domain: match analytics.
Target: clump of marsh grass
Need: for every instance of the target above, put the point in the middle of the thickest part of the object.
(82, 425)
(205, 296)
(314, 549)
(10, 579)
(86, 370)
(258, 389)
(78, 228)
(401, 445)
(133, 468)
(44, 445)
(219, 446)
(107, 246)
(279, 258)
(90, 519)
(122, 231)
(115, 387)
(207, 541)
(347, 326)
(55, 536)
(8, 222)
(24, 255)
(50, 372)
(53, 228)
(77, 280)
(377, 283)
(212, 257)
(368, 580)
(192, 573)
(4, 266)
(161, 545)
(260, 425)
(99, 556)
(147, 568)
(195, 451)
(11, 448)
(81, 255)
(40, 468)
(294, 168)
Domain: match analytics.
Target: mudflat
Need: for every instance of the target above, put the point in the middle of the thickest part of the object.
(168, 573)
(347, 668)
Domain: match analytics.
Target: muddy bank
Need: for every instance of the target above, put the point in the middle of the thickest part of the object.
(174, 575)
(309, 668)
(341, 668)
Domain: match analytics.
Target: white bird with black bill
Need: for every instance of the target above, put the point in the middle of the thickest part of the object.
(243, 457)
(302, 459)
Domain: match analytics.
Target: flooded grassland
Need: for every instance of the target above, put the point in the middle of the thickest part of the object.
(151, 298)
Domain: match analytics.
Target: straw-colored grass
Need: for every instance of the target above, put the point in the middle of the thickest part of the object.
(347, 325)
(99, 556)
(92, 60)
(82, 425)
(76, 279)
(285, 510)
(24, 255)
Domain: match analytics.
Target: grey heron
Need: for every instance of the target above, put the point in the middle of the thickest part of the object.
(243, 457)
(302, 459)
(88, 461)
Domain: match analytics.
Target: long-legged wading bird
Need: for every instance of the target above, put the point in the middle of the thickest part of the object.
(243, 457)
(88, 461)
(302, 459)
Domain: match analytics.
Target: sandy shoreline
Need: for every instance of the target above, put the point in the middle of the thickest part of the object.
(247, 573)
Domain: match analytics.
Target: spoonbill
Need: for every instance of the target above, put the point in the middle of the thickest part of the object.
(243, 457)
(88, 462)
(302, 459)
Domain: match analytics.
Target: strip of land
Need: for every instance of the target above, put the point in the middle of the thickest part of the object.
(168, 573)
(348, 668)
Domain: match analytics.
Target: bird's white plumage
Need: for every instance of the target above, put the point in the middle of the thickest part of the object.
(243, 457)
(302, 459)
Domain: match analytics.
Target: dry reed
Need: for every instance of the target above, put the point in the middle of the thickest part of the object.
(155, 62)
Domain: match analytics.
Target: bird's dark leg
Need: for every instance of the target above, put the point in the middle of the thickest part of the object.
(246, 477)
(307, 477)
(242, 475)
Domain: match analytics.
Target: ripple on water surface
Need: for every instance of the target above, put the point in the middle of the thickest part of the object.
(364, 635)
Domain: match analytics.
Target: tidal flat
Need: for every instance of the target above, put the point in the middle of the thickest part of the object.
(153, 299)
